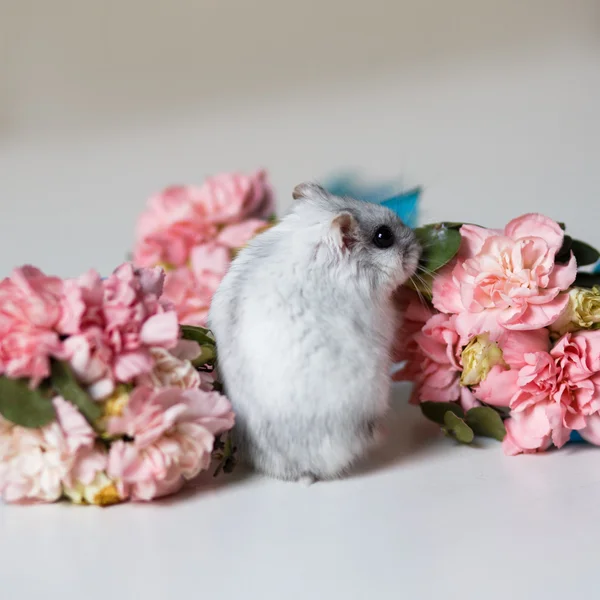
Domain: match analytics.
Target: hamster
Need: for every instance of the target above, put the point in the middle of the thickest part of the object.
(304, 322)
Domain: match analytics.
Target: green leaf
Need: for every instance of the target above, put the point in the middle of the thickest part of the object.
(457, 224)
(440, 245)
(455, 427)
(23, 406)
(435, 411)
(452, 224)
(485, 421)
(198, 334)
(206, 339)
(207, 356)
(562, 225)
(564, 254)
(587, 280)
(226, 454)
(65, 384)
(584, 253)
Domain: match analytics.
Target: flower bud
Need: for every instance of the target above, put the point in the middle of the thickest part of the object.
(581, 312)
(478, 357)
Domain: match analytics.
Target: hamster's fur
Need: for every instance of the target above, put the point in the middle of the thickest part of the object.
(304, 322)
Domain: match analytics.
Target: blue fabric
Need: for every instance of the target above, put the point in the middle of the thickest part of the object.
(405, 204)
(576, 438)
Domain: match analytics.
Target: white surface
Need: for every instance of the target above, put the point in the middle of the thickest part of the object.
(423, 518)
(492, 105)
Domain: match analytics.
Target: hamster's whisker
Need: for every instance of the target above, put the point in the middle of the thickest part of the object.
(425, 270)
(428, 284)
(424, 283)
(426, 246)
(416, 287)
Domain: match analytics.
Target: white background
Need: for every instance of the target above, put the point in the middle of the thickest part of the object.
(491, 105)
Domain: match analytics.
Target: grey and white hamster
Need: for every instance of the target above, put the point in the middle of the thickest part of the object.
(304, 322)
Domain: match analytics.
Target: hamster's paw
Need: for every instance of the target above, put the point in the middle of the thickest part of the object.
(306, 480)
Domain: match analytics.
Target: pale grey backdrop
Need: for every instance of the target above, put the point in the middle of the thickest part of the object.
(492, 105)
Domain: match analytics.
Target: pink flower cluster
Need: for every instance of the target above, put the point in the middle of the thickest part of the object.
(122, 319)
(34, 314)
(172, 431)
(489, 337)
(159, 414)
(193, 233)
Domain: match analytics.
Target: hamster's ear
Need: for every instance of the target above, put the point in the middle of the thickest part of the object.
(344, 231)
(308, 191)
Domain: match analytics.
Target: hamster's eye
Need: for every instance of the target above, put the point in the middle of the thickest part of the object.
(384, 237)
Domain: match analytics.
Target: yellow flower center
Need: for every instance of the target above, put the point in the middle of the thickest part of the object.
(165, 266)
(116, 402)
(478, 357)
(107, 495)
(582, 312)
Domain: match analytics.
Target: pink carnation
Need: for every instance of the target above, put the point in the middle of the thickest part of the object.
(188, 350)
(557, 392)
(183, 217)
(238, 235)
(34, 313)
(36, 463)
(173, 432)
(506, 280)
(191, 290)
(124, 318)
(171, 227)
(502, 382)
(233, 197)
(173, 368)
(434, 364)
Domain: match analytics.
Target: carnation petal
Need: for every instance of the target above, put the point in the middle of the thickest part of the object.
(212, 409)
(536, 225)
(102, 388)
(469, 324)
(498, 387)
(432, 390)
(563, 276)
(509, 445)
(474, 237)
(468, 399)
(591, 431)
(186, 350)
(76, 429)
(446, 295)
(239, 234)
(152, 280)
(131, 364)
(72, 308)
(160, 330)
(516, 344)
(560, 433)
(261, 202)
(537, 316)
(88, 464)
(529, 430)
(210, 258)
